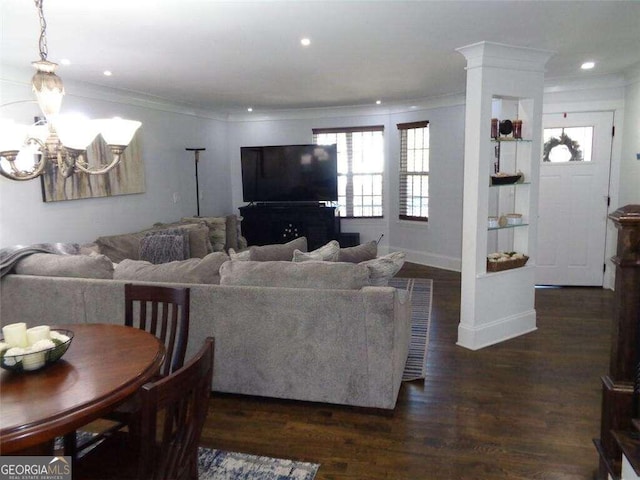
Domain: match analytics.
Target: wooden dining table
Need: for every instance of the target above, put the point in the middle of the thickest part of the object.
(104, 365)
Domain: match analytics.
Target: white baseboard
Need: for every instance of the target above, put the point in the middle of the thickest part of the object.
(430, 260)
(475, 338)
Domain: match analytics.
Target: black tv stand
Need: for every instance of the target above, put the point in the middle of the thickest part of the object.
(287, 204)
(268, 223)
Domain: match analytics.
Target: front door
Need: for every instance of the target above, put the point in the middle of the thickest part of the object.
(573, 205)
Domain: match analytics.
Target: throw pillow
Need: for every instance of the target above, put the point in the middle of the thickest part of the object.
(278, 252)
(181, 232)
(382, 269)
(194, 270)
(286, 274)
(162, 248)
(233, 229)
(359, 253)
(119, 247)
(217, 230)
(326, 253)
(199, 243)
(78, 266)
(239, 256)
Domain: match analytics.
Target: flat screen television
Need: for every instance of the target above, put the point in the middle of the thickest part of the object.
(289, 173)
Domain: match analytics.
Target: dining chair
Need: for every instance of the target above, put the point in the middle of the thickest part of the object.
(163, 312)
(173, 411)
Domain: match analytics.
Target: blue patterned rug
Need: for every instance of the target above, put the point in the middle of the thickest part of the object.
(219, 465)
(416, 366)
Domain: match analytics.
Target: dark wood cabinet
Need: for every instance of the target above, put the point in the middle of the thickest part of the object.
(263, 225)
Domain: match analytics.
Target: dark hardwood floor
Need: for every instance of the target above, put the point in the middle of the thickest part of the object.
(527, 408)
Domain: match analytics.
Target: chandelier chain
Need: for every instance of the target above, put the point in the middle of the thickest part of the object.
(42, 43)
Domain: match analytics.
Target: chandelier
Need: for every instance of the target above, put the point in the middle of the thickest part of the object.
(62, 139)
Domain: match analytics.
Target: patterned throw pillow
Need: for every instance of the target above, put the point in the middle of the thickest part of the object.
(162, 248)
(381, 269)
(181, 232)
(326, 253)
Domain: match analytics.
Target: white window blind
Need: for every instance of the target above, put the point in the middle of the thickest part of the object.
(414, 171)
(360, 168)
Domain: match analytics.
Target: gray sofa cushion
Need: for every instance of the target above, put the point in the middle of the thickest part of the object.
(324, 275)
(278, 252)
(193, 270)
(79, 266)
(119, 247)
(381, 269)
(326, 253)
(359, 253)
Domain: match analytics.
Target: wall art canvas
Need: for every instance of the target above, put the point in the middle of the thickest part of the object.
(126, 178)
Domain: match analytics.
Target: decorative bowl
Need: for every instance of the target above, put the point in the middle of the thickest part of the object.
(30, 362)
(493, 266)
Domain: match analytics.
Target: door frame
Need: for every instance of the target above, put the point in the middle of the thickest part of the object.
(617, 108)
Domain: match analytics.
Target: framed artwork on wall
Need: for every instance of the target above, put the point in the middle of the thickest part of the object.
(126, 178)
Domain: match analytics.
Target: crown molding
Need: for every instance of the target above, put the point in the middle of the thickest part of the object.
(407, 106)
(22, 77)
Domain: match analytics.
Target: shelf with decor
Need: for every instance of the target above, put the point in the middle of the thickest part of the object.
(509, 226)
(503, 121)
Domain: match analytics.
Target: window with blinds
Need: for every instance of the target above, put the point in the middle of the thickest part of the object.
(360, 168)
(414, 171)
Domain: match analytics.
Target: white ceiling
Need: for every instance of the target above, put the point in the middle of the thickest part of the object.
(228, 55)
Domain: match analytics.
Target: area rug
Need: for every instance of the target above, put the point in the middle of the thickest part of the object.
(416, 366)
(219, 465)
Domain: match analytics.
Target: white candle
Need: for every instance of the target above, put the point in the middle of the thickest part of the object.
(35, 334)
(15, 334)
(33, 361)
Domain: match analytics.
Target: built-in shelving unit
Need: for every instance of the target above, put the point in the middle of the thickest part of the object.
(503, 82)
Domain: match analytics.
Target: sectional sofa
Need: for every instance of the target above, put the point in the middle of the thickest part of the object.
(313, 331)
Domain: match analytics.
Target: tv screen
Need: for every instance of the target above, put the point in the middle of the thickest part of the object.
(289, 173)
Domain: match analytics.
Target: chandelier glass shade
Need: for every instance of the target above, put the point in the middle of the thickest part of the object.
(62, 140)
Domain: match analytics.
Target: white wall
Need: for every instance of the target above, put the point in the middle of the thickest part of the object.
(437, 242)
(629, 163)
(169, 169)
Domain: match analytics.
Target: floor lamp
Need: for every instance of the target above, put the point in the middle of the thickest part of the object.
(197, 154)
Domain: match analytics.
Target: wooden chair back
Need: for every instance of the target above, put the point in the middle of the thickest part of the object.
(163, 312)
(173, 413)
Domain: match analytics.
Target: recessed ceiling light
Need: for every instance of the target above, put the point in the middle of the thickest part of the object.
(378, 102)
(588, 65)
(65, 61)
(107, 73)
(305, 42)
(249, 109)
